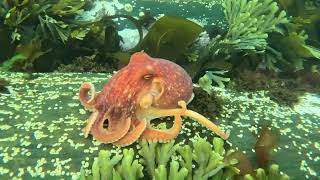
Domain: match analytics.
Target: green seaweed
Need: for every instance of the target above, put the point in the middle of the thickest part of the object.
(54, 29)
(106, 164)
(148, 152)
(289, 52)
(250, 22)
(205, 82)
(272, 173)
(208, 162)
(169, 37)
(186, 152)
(117, 167)
(25, 56)
(68, 7)
(174, 172)
(249, 25)
(130, 169)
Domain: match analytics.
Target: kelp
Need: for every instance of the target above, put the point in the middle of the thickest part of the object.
(266, 141)
(53, 29)
(25, 56)
(68, 7)
(288, 52)
(55, 23)
(169, 37)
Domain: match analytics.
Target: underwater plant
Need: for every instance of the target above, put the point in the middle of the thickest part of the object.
(31, 22)
(210, 76)
(169, 37)
(197, 161)
(261, 27)
(250, 22)
(118, 167)
(25, 56)
(259, 35)
(55, 23)
(289, 51)
(3, 85)
(272, 173)
(161, 161)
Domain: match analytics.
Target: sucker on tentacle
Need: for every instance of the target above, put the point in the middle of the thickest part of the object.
(138, 127)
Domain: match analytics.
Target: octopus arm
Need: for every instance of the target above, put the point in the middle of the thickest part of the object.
(152, 134)
(93, 117)
(152, 113)
(117, 128)
(137, 128)
(87, 101)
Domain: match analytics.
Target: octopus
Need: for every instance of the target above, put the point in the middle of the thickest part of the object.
(146, 89)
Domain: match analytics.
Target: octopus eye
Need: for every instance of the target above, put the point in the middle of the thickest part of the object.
(148, 76)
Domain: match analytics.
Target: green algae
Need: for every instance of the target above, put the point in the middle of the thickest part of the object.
(208, 162)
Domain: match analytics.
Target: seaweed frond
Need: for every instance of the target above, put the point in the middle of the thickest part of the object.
(207, 162)
(250, 22)
(273, 173)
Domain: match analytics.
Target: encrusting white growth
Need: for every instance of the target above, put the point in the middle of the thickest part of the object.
(101, 8)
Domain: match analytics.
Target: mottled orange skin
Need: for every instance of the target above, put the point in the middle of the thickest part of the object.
(165, 82)
(121, 94)
(147, 88)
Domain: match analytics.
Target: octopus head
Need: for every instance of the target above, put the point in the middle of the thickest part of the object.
(163, 83)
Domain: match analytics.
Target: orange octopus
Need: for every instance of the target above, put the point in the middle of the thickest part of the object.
(147, 88)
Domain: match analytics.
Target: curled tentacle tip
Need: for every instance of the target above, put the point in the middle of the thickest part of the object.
(182, 104)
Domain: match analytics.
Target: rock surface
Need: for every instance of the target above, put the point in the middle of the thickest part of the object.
(41, 122)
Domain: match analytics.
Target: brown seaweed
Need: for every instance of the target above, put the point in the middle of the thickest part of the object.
(267, 140)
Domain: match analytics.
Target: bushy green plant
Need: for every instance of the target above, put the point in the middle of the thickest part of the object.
(259, 34)
(200, 161)
(272, 174)
(249, 23)
(210, 77)
(54, 22)
(116, 168)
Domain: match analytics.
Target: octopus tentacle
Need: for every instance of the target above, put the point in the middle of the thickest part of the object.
(152, 112)
(152, 134)
(120, 128)
(207, 123)
(86, 101)
(138, 127)
(93, 117)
